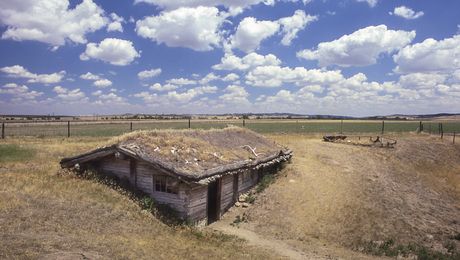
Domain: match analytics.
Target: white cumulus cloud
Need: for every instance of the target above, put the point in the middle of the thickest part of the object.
(102, 83)
(371, 3)
(18, 71)
(181, 81)
(50, 21)
(251, 60)
(147, 74)
(290, 26)
(75, 95)
(250, 33)
(114, 51)
(165, 87)
(116, 23)
(231, 77)
(407, 13)
(276, 76)
(19, 92)
(190, 94)
(234, 6)
(90, 76)
(195, 28)
(97, 80)
(208, 78)
(430, 56)
(235, 94)
(361, 48)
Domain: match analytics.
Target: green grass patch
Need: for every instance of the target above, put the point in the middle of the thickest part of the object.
(265, 182)
(15, 153)
(391, 249)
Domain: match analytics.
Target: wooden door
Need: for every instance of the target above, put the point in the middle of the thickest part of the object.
(214, 197)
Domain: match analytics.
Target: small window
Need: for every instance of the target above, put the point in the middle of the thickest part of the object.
(165, 184)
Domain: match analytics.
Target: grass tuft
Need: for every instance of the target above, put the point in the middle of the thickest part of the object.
(390, 248)
(265, 182)
(15, 153)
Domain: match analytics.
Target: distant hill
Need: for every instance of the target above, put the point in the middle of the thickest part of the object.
(131, 116)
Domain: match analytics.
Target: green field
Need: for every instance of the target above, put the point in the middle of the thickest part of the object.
(112, 128)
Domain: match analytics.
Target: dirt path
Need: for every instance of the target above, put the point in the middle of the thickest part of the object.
(289, 249)
(279, 247)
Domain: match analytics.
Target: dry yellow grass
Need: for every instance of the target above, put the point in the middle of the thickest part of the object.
(193, 151)
(348, 195)
(331, 194)
(43, 214)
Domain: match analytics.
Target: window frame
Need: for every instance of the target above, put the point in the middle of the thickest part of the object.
(163, 183)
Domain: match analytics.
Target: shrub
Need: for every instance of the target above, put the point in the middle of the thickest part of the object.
(265, 182)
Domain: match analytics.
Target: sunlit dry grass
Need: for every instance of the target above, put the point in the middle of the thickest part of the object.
(46, 214)
(348, 195)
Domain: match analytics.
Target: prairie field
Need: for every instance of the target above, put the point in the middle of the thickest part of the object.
(265, 126)
(333, 201)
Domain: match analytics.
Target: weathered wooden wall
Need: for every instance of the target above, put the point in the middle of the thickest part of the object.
(226, 197)
(197, 199)
(118, 167)
(247, 180)
(144, 177)
(144, 181)
(191, 200)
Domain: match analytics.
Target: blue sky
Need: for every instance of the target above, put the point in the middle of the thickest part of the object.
(348, 57)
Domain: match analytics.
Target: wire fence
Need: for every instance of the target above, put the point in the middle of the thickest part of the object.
(113, 128)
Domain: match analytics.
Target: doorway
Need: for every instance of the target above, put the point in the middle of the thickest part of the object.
(214, 189)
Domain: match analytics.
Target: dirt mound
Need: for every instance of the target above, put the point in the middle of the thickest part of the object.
(351, 195)
(194, 151)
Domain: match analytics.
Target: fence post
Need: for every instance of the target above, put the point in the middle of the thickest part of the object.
(244, 123)
(131, 126)
(189, 125)
(383, 126)
(453, 140)
(341, 126)
(442, 131)
(68, 128)
(3, 130)
(429, 129)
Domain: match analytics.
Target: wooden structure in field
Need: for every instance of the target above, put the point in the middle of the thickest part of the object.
(198, 173)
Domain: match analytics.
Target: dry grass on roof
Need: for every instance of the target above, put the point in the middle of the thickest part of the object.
(198, 150)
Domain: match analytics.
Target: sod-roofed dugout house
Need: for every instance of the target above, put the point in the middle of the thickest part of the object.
(199, 173)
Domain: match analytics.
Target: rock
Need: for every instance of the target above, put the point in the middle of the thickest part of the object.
(242, 197)
(237, 203)
(378, 242)
(407, 257)
(429, 236)
(245, 204)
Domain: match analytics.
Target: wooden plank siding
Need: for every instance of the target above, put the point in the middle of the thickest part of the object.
(197, 203)
(118, 167)
(226, 200)
(191, 200)
(140, 175)
(247, 180)
(144, 177)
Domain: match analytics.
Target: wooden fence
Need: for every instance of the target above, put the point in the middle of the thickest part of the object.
(117, 127)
